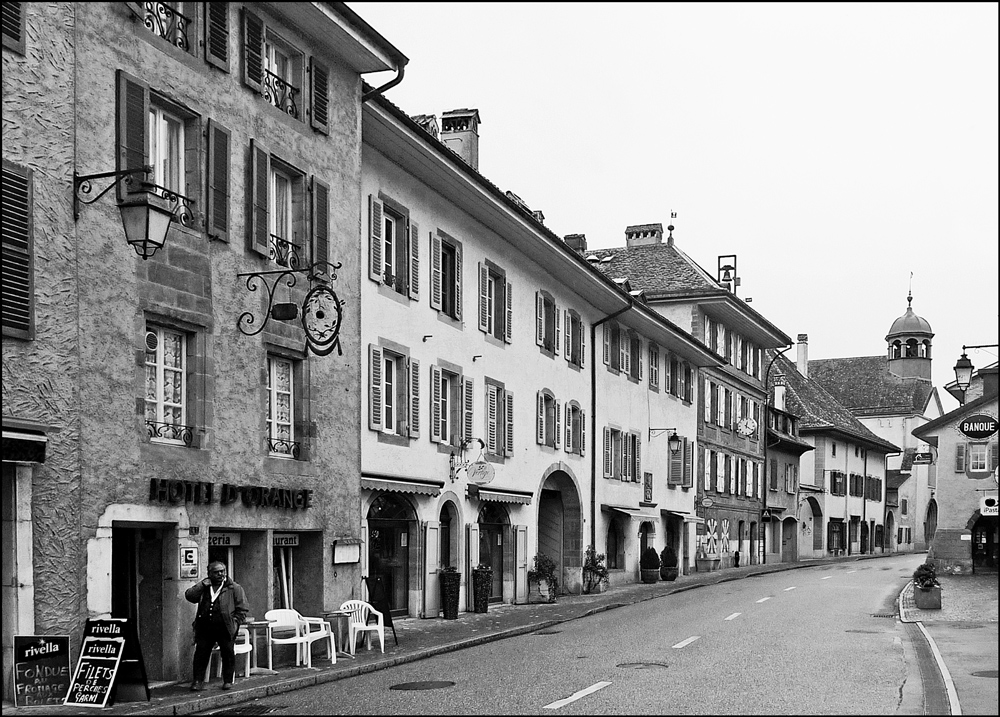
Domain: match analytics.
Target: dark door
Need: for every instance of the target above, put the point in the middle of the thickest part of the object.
(137, 589)
(984, 545)
(389, 559)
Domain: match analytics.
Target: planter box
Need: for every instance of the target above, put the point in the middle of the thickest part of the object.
(927, 599)
(649, 576)
(482, 583)
(707, 565)
(668, 574)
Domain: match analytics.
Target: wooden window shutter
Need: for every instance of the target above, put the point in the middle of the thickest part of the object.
(492, 431)
(607, 452)
(583, 343)
(568, 334)
(557, 338)
(217, 35)
(435, 404)
(260, 168)
(133, 139)
(217, 194)
(375, 415)
(414, 396)
(637, 474)
(688, 451)
(626, 462)
(959, 457)
(13, 26)
(319, 91)
(539, 318)
(508, 423)
(557, 433)
(583, 433)
(540, 417)
(568, 445)
(606, 331)
(993, 456)
(508, 324)
(321, 220)
(436, 277)
(467, 397)
(374, 238)
(414, 251)
(484, 280)
(675, 473)
(458, 282)
(18, 249)
(253, 51)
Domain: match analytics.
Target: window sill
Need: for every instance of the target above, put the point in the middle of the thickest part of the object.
(392, 439)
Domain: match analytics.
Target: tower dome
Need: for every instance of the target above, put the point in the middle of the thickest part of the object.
(909, 344)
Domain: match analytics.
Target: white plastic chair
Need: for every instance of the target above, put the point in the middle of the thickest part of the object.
(307, 630)
(360, 613)
(242, 647)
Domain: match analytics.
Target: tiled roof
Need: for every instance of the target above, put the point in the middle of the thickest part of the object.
(895, 478)
(866, 386)
(817, 409)
(654, 268)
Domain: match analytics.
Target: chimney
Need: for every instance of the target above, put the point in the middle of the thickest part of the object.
(576, 242)
(428, 123)
(643, 235)
(803, 355)
(460, 133)
(779, 391)
(539, 217)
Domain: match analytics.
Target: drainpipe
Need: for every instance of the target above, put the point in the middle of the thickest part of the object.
(593, 419)
(864, 500)
(388, 85)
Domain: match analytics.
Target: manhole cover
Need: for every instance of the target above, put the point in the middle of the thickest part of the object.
(642, 665)
(986, 673)
(548, 632)
(424, 685)
(248, 710)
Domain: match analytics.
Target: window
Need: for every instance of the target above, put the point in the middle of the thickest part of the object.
(286, 215)
(687, 383)
(446, 275)
(772, 483)
(654, 366)
(546, 323)
(575, 341)
(393, 246)
(18, 248)
(622, 455)
(13, 26)
(281, 408)
(721, 404)
(679, 469)
(903, 505)
(635, 356)
(790, 470)
(166, 149)
(612, 346)
(495, 302)
(393, 392)
(272, 66)
(451, 406)
(838, 483)
(166, 386)
(978, 453)
(548, 419)
(576, 429)
(174, 22)
(499, 419)
(616, 546)
(833, 449)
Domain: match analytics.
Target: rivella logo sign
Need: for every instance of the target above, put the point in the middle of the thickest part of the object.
(978, 427)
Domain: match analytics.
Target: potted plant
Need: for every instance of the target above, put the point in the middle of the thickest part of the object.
(595, 572)
(649, 565)
(451, 581)
(482, 585)
(543, 575)
(926, 588)
(668, 564)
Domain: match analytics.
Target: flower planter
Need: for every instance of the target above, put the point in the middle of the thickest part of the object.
(450, 584)
(668, 574)
(929, 599)
(482, 583)
(541, 592)
(707, 564)
(649, 575)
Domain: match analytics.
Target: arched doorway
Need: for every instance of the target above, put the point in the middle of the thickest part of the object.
(647, 536)
(494, 524)
(560, 527)
(390, 518)
(448, 551)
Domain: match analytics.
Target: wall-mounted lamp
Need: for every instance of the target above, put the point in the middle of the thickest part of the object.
(428, 336)
(964, 368)
(477, 356)
(146, 222)
(673, 443)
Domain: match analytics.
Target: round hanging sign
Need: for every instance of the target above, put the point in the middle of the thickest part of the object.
(321, 317)
(481, 472)
(978, 427)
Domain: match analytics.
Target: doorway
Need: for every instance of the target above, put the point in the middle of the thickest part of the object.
(984, 545)
(389, 521)
(493, 523)
(137, 589)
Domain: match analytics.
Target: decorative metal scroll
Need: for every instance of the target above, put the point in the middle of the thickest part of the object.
(280, 93)
(163, 20)
(321, 311)
(170, 432)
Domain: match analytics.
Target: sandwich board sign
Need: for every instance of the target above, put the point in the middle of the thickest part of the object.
(110, 660)
(41, 670)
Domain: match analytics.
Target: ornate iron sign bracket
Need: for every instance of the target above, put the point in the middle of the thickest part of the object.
(321, 311)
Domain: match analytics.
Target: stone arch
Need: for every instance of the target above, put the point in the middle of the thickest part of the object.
(559, 521)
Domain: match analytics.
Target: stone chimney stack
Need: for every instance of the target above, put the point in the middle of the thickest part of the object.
(460, 133)
(779, 391)
(643, 235)
(576, 242)
(803, 355)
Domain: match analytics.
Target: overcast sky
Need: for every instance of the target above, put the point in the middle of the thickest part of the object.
(834, 148)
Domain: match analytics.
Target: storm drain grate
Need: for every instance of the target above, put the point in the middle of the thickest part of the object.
(882, 614)
(986, 673)
(423, 685)
(548, 632)
(965, 626)
(866, 632)
(642, 665)
(248, 710)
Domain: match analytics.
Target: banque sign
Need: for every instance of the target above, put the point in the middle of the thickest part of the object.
(977, 427)
(163, 490)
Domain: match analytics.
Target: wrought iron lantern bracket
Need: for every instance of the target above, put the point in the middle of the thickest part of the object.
(320, 313)
(83, 185)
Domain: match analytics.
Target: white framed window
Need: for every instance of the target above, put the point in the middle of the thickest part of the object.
(446, 275)
(576, 429)
(621, 455)
(548, 419)
(720, 416)
(390, 367)
(450, 406)
(166, 385)
(495, 302)
(389, 248)
(978, 457)
(280, 211)
(166, 149)
(281, 407)
(393, 391)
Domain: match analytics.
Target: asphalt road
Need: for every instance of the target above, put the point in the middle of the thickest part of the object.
(809, 641)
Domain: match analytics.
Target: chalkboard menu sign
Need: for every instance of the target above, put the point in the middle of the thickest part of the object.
(41, 670)
(110, 659)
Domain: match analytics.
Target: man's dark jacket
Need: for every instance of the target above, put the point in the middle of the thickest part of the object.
(232, 604)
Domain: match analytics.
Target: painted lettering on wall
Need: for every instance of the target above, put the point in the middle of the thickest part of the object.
(163, 490)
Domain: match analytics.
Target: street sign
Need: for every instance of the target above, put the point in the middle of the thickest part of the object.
(923, 458)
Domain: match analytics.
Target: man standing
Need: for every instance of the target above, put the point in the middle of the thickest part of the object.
(222, 608)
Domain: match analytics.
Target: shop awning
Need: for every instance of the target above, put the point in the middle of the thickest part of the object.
(628, 511)
(683, 514)
(21, 447)
(499, 495)
(402, 485)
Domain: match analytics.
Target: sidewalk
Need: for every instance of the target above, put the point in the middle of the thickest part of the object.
(967, 602)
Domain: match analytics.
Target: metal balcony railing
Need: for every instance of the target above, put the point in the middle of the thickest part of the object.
(280, 93)
(173, 432)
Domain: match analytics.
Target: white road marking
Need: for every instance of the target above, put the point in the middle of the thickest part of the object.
(827, 577)
(791, 588)
(764, 599)
(851, 571)
(734, 616)
(685, 643)
(576, 695)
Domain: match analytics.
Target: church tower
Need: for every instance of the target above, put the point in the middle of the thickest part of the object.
(909, 342)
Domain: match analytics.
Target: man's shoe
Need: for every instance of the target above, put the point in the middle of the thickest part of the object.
(227, 685)
(197, 686)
